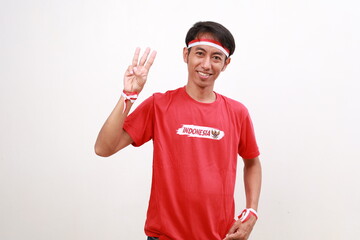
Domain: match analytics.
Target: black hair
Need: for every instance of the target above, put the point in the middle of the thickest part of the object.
(218, 31)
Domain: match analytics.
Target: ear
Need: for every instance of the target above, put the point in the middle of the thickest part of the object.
(185, 54)
(227, 62)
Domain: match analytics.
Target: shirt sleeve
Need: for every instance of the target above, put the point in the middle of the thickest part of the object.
(248, 147)
(139, 124)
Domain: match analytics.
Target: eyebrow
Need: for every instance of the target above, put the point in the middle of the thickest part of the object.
(218, 53)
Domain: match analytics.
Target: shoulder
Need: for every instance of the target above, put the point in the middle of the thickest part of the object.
(168, 92)
(233, 104)
(168, 95)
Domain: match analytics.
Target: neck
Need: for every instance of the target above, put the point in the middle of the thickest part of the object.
(205, 95)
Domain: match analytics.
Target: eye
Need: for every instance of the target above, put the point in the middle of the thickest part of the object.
(217, 58)
(199, 53)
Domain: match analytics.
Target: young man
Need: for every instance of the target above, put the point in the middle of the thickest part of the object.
(197, 135)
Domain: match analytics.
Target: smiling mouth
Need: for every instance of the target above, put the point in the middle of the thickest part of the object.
(204, 75)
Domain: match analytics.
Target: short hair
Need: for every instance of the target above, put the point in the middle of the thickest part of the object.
(218, 31)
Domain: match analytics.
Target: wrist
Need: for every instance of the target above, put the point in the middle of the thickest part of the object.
(128, 96)
(126, 91)
(247, 213)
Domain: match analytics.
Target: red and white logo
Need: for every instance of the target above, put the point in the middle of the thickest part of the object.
(200, 132)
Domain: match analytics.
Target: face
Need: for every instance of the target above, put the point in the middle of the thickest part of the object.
(205, 63)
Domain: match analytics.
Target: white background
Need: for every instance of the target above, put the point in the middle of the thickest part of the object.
(296, 67)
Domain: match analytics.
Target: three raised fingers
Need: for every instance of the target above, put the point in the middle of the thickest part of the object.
(144, 59)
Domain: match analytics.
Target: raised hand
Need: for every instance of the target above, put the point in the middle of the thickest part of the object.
(136, 75)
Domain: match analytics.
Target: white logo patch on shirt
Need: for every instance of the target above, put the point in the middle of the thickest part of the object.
(200, 132)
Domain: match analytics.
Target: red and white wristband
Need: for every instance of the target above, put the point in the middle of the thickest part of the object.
(131, 96)
(246, 214)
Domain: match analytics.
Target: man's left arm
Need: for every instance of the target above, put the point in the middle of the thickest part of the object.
(252, 181)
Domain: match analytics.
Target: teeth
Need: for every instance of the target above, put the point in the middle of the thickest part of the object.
(204, 74)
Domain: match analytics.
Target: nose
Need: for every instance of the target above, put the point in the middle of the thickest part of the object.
(206, 63)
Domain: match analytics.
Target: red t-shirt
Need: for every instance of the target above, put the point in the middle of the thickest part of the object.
(194, 163)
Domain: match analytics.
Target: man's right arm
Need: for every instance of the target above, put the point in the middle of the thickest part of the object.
(112, 137)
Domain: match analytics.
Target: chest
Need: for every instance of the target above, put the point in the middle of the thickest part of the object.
(196, 137)
(191, 123)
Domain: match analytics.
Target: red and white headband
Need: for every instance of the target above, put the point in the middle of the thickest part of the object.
(209, 42)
